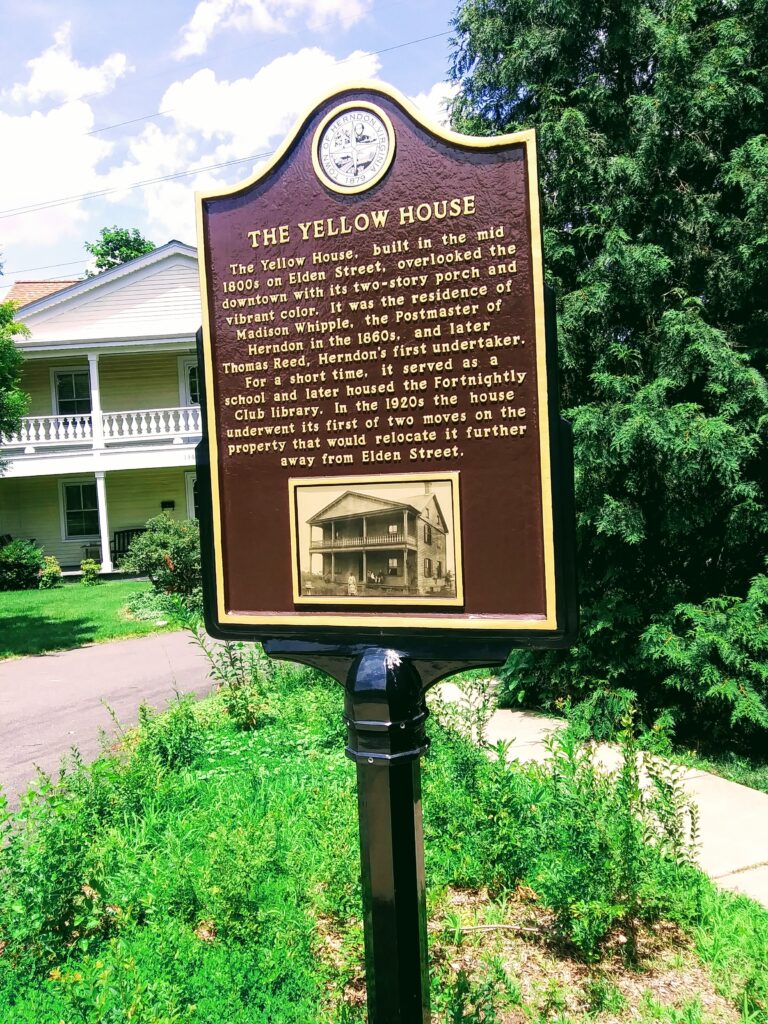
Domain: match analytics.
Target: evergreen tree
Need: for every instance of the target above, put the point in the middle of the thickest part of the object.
(115, 246)
(652, 121)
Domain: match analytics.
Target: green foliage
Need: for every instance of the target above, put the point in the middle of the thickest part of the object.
(202, 872)
(240, 670)
(20, 565)
(652, 126)
(90, 570)
(174, 740)
(50, 573)
(601, 851)
(717, 658)
(115, 246)
(168, 552)
(13, 401)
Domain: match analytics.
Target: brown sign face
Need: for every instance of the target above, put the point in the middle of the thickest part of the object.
(376, 379)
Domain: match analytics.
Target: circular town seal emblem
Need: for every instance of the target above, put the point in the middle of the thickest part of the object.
(353, 147)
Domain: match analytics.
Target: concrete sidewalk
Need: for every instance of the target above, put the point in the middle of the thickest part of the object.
(733, 819)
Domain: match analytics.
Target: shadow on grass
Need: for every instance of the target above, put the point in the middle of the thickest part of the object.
(39, 634)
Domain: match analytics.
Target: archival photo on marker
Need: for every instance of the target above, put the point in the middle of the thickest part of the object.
(362, 540)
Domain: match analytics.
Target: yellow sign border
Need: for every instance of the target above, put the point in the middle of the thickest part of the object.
(375, 620)
(352, 190)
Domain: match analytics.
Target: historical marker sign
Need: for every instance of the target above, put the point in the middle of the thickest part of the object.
(384, 448)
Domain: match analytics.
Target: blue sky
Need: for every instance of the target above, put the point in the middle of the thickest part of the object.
(202, 83)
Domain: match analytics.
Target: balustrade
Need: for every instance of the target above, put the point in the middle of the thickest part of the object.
(143, 424)
(175, 424)
(380, 540)
(45, 430)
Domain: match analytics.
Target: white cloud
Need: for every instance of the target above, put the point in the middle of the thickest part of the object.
(251, 111)
(53, 158)
(56, 74)
(51, 154)
(211, 16)
(214, 120)
(433, 104)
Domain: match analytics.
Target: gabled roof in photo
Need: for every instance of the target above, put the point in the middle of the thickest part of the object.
(355, 503)
(154, 295)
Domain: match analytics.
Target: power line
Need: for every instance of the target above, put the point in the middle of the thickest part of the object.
(64, 201)
(48, 266)
(133, 120)
(51, 203)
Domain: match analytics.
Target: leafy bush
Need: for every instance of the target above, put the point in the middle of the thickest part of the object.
(715, 658)
(168, 552)
(600, 850)
(174, 740)
(50, 574)
(90, 570)
(20, 565)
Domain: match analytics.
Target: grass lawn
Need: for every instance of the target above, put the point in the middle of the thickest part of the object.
(745, 770)
(36, 621)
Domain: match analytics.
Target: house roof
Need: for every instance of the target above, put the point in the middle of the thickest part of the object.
(83, 285)
(155, 297)
(355, 503)
(25, 292)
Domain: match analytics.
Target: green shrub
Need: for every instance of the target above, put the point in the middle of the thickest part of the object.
(20, 565)
(244, 704)
(90, 569)
(50, 574)
(173, 740)
(168, 552)
(715, 659)
(602, 851)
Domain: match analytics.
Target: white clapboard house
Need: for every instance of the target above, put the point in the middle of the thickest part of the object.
(114, 415)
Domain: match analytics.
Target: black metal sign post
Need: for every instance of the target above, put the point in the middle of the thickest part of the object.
(323, 278)
(385, 711)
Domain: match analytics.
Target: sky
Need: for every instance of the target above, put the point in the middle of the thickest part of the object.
(107, 97)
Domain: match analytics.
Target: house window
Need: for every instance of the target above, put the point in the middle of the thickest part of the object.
(428, 568)
(427, 533)
(392, 529)
(72, 391)
(393, 567)
(80, 509)
(192, 503)
(438, 569)
(189, 381)
(193, 385)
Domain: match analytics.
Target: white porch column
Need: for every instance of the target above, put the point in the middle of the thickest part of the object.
(97, 422)
(101, 495)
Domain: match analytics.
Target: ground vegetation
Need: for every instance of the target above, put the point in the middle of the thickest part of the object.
(206, 868)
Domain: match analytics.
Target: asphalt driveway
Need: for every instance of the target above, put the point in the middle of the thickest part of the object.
(53, 702)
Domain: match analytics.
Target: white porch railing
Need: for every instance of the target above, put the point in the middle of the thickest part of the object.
(143, 424)
(134, 425)
(48, 430)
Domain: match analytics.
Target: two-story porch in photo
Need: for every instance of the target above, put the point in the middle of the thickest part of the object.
(114, 414)
(361, 545)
